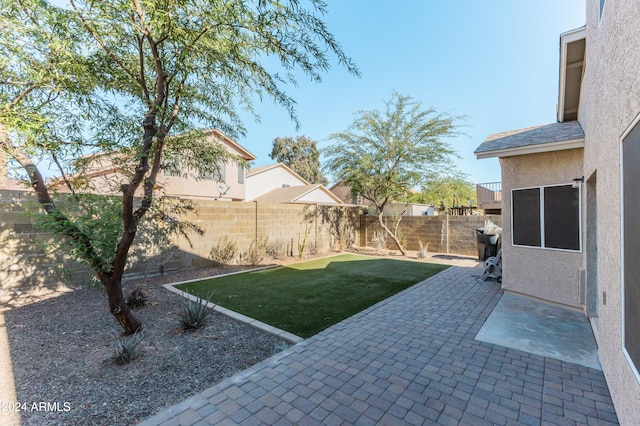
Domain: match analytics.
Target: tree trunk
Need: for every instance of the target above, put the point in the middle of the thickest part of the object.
(393, 236)
(118, 306)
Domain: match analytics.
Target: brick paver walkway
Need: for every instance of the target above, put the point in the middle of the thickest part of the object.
(411, 359)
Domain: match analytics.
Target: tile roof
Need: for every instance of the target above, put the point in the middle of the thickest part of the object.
(532, 136)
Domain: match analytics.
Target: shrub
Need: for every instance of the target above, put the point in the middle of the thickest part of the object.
(276, 249)
(280, 346)
(256, 253)
(379, 241)
(224, 252)
(194, 314)
(127, 348)
(422, 253)
(137, 299)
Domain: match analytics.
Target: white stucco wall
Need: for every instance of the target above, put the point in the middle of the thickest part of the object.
(317, 196)
(525, 269)
(268, 180)
(610, 102)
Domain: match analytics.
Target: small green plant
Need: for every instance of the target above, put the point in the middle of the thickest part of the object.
(194, 314)
(224, 252)
(127, 348)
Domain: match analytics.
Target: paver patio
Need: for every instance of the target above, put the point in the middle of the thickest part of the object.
(411, 359)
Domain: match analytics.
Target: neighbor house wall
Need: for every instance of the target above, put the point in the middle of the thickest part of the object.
(524, 268)
(268, 180)
(609, 105)
(191, 187)
(317, 196)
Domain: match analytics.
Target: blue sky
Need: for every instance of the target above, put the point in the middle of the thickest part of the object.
(494, 61)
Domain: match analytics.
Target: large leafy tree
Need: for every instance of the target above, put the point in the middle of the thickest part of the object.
(384, 154)
(301, 155)
(446, 191)
(127, 77)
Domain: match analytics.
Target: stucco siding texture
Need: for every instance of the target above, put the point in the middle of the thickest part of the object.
(610, 103)
(526, 269)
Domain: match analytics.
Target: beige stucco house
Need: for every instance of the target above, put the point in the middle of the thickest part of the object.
(277, 183)
(105, 175)
(343, 192)
(571, 194)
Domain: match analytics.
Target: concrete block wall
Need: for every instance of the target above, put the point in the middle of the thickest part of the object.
(28, 258)
(27, 255)
(441, 234)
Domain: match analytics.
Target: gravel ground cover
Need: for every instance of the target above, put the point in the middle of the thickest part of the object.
(61, 350)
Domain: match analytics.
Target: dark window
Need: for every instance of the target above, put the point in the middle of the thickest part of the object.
(631, 246)
(219, 175)
(546, 217)
(561, 217)
(172, 166)
(526, 217)
(222, 169)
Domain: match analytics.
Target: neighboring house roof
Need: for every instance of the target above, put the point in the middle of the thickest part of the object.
(244, 153)
(262, 180)
(16, 185)
(257, 170)
(103, 172)
(531, 140)
(336, 185)
(298, 194)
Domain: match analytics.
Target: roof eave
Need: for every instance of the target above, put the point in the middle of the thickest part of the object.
(245, 152)
(566, 39)
(532, 149)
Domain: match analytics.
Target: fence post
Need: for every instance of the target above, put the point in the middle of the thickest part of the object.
(256, 221)
(363, 230)
(447, 230)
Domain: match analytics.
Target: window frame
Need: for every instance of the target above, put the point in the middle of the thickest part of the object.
(601, 9)
(175, 173)
(241, 174)
(541, 218)
(635, 368)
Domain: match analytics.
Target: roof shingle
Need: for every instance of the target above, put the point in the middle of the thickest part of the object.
(537, 135)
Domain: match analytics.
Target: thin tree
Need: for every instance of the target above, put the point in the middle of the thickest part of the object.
(301, 155)
(127, 77)
(384, 154)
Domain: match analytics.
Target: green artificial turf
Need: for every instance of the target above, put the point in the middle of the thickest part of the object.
(307, 297)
